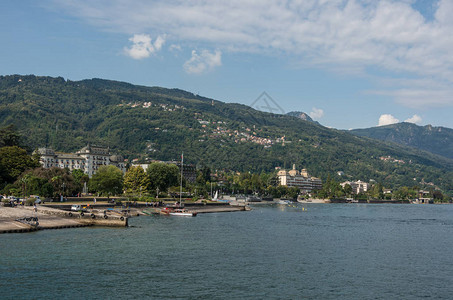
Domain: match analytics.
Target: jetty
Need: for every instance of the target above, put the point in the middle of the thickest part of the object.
(26, 219)
(194, 208)
(56, 215)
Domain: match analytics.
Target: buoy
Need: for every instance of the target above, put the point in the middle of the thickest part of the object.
(93, 216)
(70, 214)
(106, 217)
(122, 218)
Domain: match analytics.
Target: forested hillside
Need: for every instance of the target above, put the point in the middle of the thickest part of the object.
(438, 140)
(158, 123)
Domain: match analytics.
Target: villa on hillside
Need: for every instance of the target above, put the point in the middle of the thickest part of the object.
(301, 180)
(88, 159)
(357, 186)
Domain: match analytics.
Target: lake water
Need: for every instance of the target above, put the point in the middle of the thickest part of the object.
(328, 251)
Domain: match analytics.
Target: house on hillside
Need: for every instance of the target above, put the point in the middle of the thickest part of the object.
(358, 187)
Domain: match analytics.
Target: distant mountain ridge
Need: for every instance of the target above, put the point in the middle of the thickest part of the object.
(148, 123)
(438, 140)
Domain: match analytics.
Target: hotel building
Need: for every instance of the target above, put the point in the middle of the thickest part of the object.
(301, 180)
(88, 159)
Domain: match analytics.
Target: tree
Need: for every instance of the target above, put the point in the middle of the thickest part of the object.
(9, 136)
(347, 189)
(376, 191)
(79, 175)
(437, 195)
(162, 176)
(108, 180)
(136, 180)
(34, 185)
(331, 189)
(25, 180)
(80, 178)
(13, 162)
(51, 182)
(206, 174)
(292, 192)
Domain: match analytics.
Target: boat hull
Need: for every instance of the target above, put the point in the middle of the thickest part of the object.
(183, 214)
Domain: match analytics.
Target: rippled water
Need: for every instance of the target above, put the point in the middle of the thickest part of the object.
(329, 251)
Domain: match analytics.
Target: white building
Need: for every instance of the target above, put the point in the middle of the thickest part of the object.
(88, 159)
(301, 180)
(357, 186)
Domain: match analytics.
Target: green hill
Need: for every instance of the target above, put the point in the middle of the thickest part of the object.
(300, 115)
(437, 140)
(158, 123)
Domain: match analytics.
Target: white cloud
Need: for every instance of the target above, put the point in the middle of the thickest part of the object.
(316, 113)
(387, 119)
(203, 62)
(175, 47)
(347, 35)
(143, 47)
(414, 119)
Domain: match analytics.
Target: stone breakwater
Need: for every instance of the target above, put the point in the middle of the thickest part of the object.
(14, 220)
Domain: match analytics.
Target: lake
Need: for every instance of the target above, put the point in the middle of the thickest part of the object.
(311, 251)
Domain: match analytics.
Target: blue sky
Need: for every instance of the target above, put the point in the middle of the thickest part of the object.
(349, 64)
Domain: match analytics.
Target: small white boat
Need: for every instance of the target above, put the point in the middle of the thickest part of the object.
(183, 213)
(283, 202)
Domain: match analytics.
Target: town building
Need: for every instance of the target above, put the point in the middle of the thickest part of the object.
(88, 159)
(301, 180)
(358, 187)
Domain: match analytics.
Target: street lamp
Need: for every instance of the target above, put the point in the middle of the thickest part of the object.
(62, 195)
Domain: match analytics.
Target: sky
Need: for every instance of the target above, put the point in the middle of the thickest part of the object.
(347, 63)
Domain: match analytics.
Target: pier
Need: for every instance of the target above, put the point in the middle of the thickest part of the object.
(59, 215)
(12, 219)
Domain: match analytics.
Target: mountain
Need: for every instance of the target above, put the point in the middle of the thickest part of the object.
(158, 123)
(300, 115)
(438, 140)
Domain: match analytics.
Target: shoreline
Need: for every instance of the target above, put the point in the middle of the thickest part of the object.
(15, 219)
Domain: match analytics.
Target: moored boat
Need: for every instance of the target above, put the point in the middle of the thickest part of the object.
(182, 213)
(283, 202)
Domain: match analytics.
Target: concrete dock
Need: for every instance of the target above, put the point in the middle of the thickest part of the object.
(55, 216)
(12, 220)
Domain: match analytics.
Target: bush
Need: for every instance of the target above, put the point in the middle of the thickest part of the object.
(30, 201)
(147, 199)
